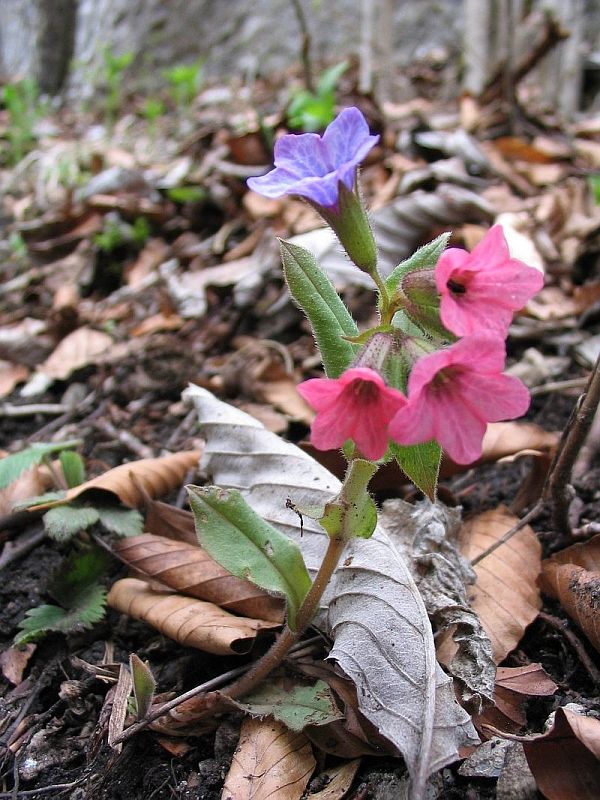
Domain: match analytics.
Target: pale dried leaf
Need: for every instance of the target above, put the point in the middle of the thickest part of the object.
(13, 661)
(76, 350)
(426, 536)
(372, 609)
(191, 571)
(192, 623)
(505, 597)
(503, 439)
(270, 763)
(583, 554)
(565, 761)
(578, 591)
(154, 476)
(31, 483)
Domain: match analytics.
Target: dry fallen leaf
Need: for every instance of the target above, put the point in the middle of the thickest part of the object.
(270, 763)
(14, 660)
(76, 350)
(191, 571)
(340, 781)
(565, 761)
(174, 523)
(578, 591)
(30, 483)
(156, 476)
(583, 554)
(505, 597)
(156, 323)
(154, 252)
(10, 375)
(192, 623)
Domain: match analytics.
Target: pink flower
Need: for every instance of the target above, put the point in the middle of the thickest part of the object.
(481, 290)
(454, 392)
(357, 405)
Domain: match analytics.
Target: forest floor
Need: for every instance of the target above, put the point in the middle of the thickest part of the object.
(134, 262)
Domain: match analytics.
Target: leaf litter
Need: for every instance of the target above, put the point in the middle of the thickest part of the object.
(131, 328)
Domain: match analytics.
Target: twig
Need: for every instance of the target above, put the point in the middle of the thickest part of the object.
(563, 627)
(42, 790)
(557, 488)
(305, 52)
(14, 550)
(558, 386)
(30, 410)
(128, 439)
(529, 517)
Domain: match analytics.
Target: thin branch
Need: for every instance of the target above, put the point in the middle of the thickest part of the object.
(306, 44)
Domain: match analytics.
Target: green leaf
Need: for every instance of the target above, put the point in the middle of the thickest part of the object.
(144, 685)
(64, 522)
(121, 521)
(420, 463)
(43, 619)
(187, 194)
(12, 466)
(296, 707)
(328, 316)
(329, 79)
(38, 500)
(426, 257)
(81, 570)
(73, 468)
(247, 546)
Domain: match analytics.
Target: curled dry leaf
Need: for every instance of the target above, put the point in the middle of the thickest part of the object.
(169, 521)
(372, 608)
(270, 762)
(583, 554)
(505, 596)
(514, 685)
(10, 375)
(31, 483)
(129, 482)
(192, 623)
(565, 761)
(578, 591)
(76, 350)
(339, 781)
(191, 571)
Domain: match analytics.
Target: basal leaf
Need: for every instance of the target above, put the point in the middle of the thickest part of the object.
(13, 465)
(121, 521)
(296, 707)
(421, 463)
(327, 314)
(426, 257)
(46, 618)
(64, 522)
(247, 546)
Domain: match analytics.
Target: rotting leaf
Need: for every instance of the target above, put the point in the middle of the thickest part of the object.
(191, 571)
(247, 546)
(426, 535)
(270, 763)
(565, 761)
(191, 622)
(505, 596)
(157, 476)
(382, 636)
(296, 706)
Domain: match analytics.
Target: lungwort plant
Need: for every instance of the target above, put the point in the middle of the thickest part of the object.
(427, 378)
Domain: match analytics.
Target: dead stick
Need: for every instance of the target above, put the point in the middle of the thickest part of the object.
(306, 61)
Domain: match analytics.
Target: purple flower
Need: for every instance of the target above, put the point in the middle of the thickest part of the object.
(312, 166)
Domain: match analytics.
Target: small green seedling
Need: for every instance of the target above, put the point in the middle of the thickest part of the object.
(114, 67)
(184, 81)
(152, 110)
(21, 100)
(313, 111)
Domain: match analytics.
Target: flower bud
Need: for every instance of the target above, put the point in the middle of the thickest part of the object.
(421, 301)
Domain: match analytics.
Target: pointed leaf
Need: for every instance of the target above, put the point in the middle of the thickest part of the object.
(73, 468)
(327, 314)
(296, 707)
(144, 684)
(247, 546)
(420, 463)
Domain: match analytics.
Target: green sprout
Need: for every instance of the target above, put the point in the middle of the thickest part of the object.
(313, 111)
(114, 67)
(21, 100)
(184, 81)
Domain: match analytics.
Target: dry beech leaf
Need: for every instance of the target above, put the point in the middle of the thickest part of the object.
(10, 375)
(340, 781)
(157, 322)
(372, 608)
(169, 521)
(76, 350)
(504, 439)
(14, 660)
(514, 685)
(154, 252)
(565, 761)
(583, 554)
(578, 591)
(505, 597)
(191, 571)
(31, 483)
(270, 762)
(192, 623)
(154, 476)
